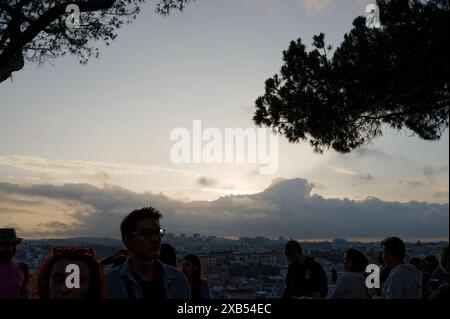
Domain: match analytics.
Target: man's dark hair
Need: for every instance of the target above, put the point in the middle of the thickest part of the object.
(431, 263)
(294, 245)
(128, 224)
(359, 261)
(395, 246)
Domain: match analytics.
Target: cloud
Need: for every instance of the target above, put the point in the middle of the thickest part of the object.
(311, 7)
(367, 177)
(410, 183)
(438, 187)
(56, 225)
(431, 171)
(371, 152)
(349, 172)
(344, 171)
(285, 208)
(441, 195)
(269, 5)
(93, 169)
(315, 6)
(203, 181)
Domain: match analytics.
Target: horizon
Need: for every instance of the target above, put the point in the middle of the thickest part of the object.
(302, 240)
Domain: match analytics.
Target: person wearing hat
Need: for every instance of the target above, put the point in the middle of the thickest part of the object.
(13, 275)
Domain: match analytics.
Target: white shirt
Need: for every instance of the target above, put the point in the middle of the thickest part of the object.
(351, 285)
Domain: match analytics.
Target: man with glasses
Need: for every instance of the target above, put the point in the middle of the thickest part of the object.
(143, 276)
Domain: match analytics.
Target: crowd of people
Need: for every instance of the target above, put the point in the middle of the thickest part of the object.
(147, 269)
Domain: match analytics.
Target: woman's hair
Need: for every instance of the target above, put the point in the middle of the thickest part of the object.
(444, 260)
(196, 283)
(97, 288)
(359, 261)
(168, 255)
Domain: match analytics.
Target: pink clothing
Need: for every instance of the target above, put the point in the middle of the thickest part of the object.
(12, 280)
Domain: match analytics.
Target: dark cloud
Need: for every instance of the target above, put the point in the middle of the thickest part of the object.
(56, 225)
(408, 183)
(367, 178)
(20, 201)
(441, 195)
(371, 152)
(206, 181)
(285, 208)
(431, 171)
(375, 154)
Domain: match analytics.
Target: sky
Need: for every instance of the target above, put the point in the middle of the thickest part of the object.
(81, 146)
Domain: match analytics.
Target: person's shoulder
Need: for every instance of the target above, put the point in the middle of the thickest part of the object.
(353, 276)
(172, 270)
(394, 272)
(344, 280)
(405, 269)
(314, 264)
(403, 272)
(115, 272)
(347, 275)
(177, 274)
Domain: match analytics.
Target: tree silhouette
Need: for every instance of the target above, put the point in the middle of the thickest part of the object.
(397, 75)
(35, 31)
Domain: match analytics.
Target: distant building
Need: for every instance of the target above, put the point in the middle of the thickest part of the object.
(340, 244)
(271, 288)
(272, 258)
(309, 247)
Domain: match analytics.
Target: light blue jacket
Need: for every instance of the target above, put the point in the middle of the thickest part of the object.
(175, 282)
(403, 282)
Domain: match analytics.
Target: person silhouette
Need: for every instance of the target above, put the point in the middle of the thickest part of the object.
(192, 268)
(13, 275)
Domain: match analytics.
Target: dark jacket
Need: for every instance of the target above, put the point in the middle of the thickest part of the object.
(305, 279)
